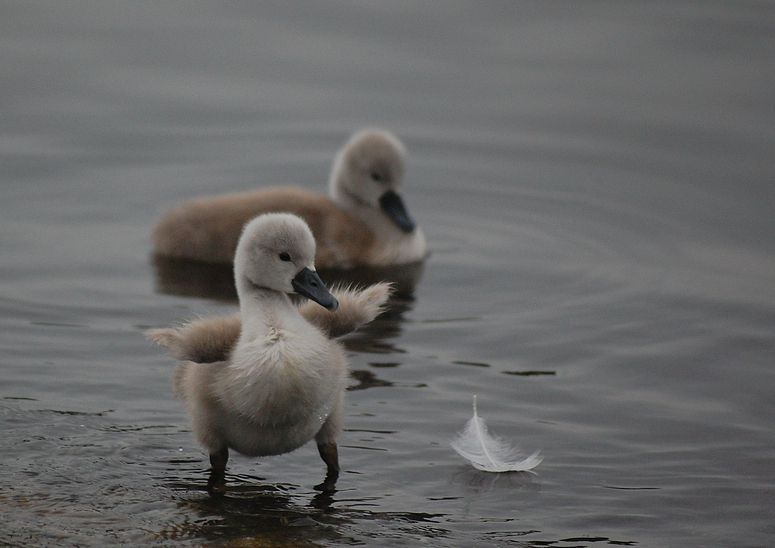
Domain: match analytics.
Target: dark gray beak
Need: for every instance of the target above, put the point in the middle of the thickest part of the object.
(308, 283)
(392, 204)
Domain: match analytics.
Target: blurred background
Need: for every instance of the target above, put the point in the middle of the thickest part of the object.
(595, 181)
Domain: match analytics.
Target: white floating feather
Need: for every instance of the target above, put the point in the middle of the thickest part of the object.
(490, 453)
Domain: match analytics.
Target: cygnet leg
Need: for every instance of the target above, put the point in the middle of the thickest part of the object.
(330, 455)
(218, 460)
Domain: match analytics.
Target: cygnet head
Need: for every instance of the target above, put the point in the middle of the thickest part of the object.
(277, 252)
(369, 170)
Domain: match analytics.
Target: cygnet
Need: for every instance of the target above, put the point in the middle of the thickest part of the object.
(362, 222)
(268, 380)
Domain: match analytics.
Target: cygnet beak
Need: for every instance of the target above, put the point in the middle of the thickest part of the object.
(392, 204)
(308, 283)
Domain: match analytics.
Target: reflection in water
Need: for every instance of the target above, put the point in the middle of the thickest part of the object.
(366, 379)
(188, 278)
(375, 337)
(263, 515)
(478, 482)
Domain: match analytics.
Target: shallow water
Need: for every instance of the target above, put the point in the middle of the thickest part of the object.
(594, 179)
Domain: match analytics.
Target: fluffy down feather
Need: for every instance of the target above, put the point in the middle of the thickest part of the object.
(490, 453)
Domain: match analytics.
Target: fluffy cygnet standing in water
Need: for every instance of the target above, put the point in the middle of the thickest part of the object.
(267, 381)
(362, 222)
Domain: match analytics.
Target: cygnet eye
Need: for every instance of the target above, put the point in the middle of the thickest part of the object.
(376, 176)
(285, 257)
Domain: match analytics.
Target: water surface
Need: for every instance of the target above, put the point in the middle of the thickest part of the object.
(594, 180)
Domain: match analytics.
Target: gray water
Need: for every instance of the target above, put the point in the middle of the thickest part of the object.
(595, 181)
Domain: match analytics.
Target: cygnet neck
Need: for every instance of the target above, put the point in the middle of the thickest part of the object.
(260, 306)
